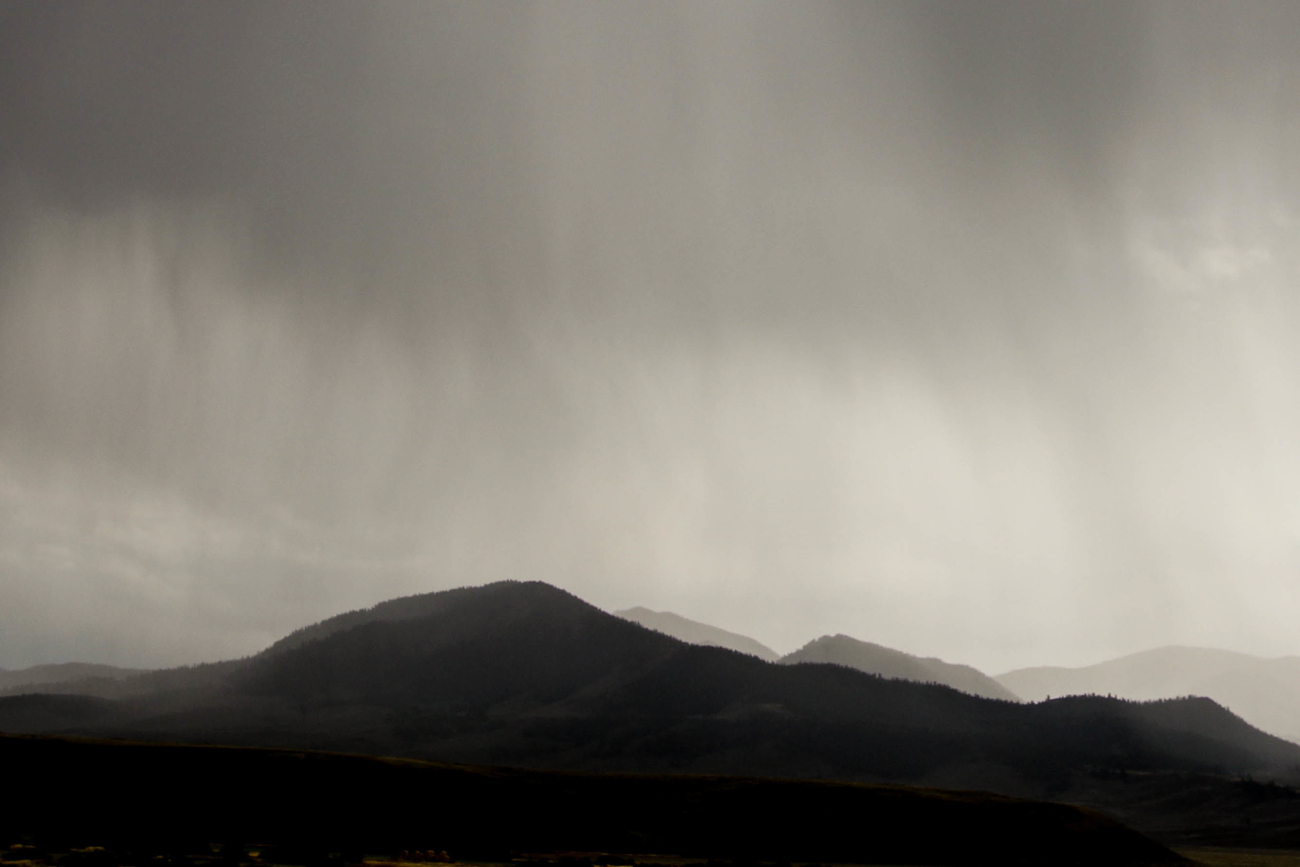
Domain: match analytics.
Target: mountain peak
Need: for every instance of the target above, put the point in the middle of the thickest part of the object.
(525, 674)
(506, 596)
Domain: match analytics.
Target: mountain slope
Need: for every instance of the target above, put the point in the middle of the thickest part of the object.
(693, 632)
(875, 659)
(528, 675)
(1264, 692)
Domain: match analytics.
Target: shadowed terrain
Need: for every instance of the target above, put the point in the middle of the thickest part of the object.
(315, 803)
(1185, 810)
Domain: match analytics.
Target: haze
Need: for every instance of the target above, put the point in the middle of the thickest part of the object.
(966, 329)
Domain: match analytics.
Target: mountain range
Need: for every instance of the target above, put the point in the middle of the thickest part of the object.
(525, 674)
(529, 676)
(834, 649)
(1264, 692)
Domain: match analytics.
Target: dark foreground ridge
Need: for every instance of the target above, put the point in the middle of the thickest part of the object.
(178, 798)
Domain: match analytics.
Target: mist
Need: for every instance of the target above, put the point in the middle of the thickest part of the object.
(969, 330)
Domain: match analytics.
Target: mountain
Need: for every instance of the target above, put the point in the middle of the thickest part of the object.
(524, 674)
(44, 675)
(693, 632)
(875, 659)
(1264, 692)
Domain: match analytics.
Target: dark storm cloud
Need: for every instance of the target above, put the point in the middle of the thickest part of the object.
(926, 322)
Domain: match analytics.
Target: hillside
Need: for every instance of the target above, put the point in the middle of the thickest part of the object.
(323, 802)
(524, 674)
(883, 661)
(693, 632)
(1264, 692)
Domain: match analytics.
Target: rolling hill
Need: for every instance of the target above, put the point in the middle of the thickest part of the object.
(527, 675)
(693, 632)
(875, 659)
(1264, 692)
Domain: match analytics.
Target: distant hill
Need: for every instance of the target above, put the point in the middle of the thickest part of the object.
(186, 680)
(693, 632)
(1264, 692)
(524, 674)
(875, 659)
(62, 673)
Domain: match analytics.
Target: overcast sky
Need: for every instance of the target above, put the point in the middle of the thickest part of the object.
(971, 329)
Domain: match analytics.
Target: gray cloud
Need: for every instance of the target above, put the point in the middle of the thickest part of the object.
(963, 328)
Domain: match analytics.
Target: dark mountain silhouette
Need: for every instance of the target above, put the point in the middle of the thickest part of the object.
(525, 674)
(875, 659)
(45, 675)
(694, 632)
(1265, 692)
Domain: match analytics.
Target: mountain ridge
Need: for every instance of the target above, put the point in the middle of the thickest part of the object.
(528, 675)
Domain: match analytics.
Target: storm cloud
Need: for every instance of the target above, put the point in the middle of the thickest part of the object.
(968, 329)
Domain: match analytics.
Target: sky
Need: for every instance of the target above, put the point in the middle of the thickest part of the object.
(968, 329)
